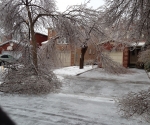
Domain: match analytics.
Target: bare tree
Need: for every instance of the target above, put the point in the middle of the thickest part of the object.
(24, 16)
(130, 19)
(78, 25)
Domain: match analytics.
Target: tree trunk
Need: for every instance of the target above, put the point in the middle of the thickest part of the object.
(83, 51)
(81, 61)
(34, 48)
(33, 40)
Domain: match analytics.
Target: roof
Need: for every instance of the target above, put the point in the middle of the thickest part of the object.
(142, 43)
(42, 31)
(14, 41)
(45, 42)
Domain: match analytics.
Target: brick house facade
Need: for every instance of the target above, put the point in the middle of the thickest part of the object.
(71, 55)
(126, 56)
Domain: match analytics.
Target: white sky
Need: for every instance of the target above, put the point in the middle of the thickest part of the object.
(63, 4)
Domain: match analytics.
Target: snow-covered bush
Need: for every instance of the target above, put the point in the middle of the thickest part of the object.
(135, 104)
(24, 79)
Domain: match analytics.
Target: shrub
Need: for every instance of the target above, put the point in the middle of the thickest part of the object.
(140, 65)
(135, 104)
(147, 66)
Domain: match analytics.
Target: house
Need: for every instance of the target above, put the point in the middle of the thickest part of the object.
(10, 45)
(70, 55)
(18, 49)
(130, 54)
(127, 56)
(40, 37)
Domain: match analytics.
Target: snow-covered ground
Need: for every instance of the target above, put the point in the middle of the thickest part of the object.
(136, 75)
(97, 83)
(73, 70)
(86, 99)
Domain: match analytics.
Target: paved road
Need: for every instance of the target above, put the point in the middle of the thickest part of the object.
(63, 109)
(81, 101)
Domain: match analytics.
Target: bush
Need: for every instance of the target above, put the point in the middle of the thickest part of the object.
(135, 104)
(25, 81)
(140, 65)
(147, 66)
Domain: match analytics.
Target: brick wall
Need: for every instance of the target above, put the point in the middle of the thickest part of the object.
(89, 57)
(74, 50)
(125, 57)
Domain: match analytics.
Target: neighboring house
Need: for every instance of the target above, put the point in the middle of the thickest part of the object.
(10, 51)
(40, 37)
(5, 43)
(70, 56)
(10, 45)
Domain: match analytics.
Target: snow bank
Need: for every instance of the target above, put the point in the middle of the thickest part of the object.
(60, 78)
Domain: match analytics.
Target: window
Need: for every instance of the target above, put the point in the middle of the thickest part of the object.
(90, 51)
(62, 41)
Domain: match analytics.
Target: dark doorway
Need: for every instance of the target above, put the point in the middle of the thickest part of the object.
(133, 56)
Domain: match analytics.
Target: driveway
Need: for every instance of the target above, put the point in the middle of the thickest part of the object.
(98, 83)
(88, 99)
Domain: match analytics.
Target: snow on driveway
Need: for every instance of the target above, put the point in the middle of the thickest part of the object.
(136, 75)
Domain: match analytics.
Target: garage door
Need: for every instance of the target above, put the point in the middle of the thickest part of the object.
(64, 57)
(117, 56)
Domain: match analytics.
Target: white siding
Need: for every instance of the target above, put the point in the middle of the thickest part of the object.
(65, 58)
(117, 56)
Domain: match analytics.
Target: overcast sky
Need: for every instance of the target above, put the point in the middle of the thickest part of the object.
(62, 4)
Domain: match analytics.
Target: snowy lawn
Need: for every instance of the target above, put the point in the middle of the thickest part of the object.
(73, 70)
